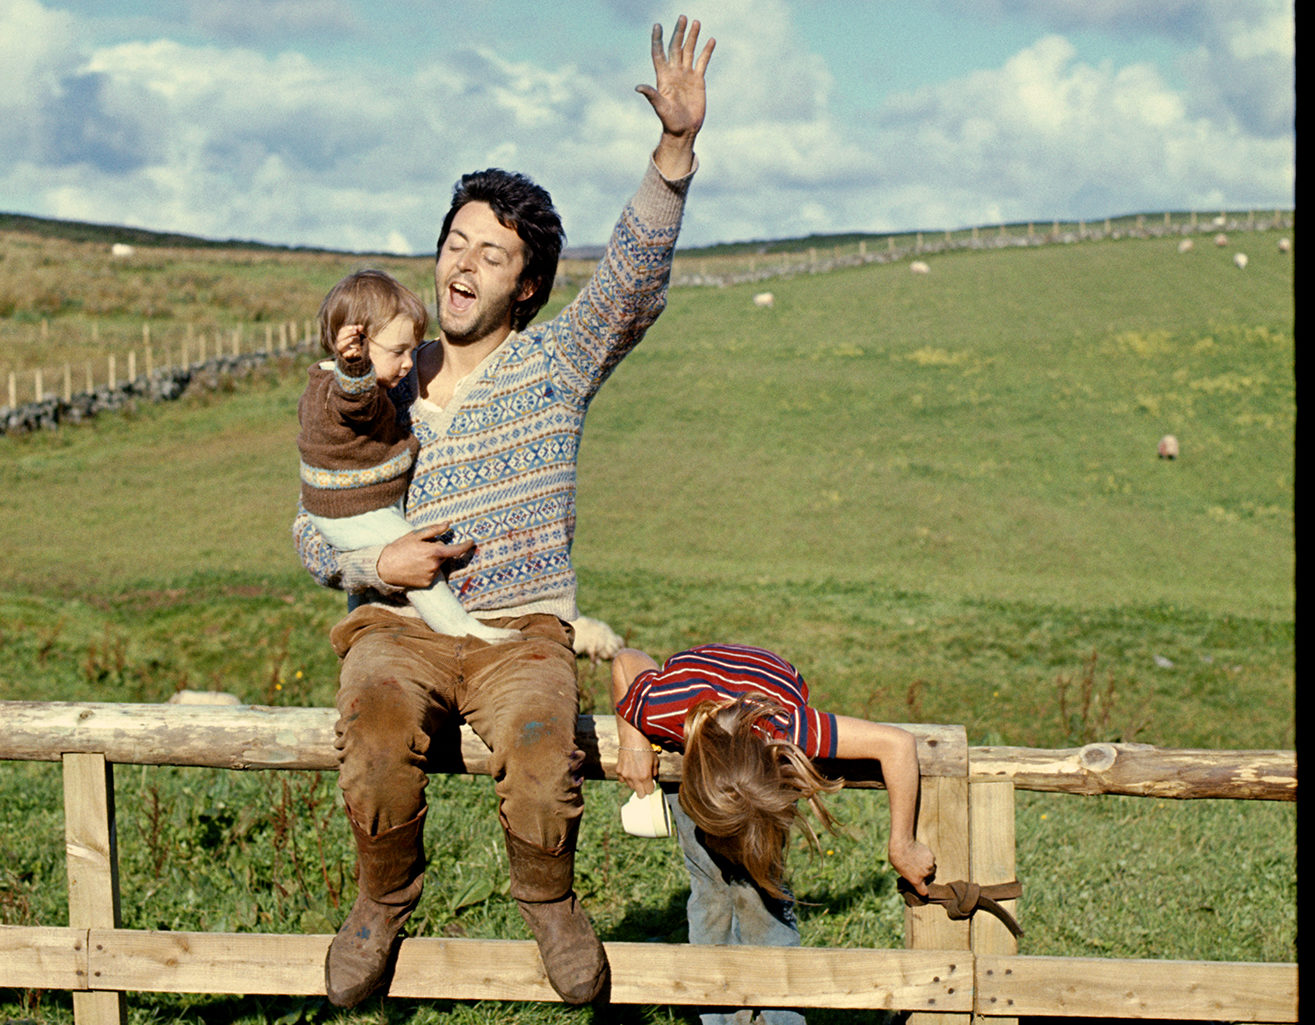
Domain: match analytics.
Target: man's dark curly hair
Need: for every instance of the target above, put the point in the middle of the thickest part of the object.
(526, 208)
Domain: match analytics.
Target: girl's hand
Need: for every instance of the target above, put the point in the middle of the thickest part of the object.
(914, 862)
(351, 341)
(636, 768)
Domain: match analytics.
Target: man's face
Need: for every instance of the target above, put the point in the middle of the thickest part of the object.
(477, 276)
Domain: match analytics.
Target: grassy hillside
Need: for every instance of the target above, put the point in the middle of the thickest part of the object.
(939, 495)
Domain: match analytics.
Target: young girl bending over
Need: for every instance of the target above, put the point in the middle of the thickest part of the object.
(742, 718)
(356, 457)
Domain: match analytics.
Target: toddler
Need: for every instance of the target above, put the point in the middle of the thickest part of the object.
(356, 457)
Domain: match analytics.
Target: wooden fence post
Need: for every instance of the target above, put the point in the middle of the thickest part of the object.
(992, 860)
(943, 826)
(91, 851)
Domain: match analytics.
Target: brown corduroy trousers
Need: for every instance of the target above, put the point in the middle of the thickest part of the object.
(401, 690)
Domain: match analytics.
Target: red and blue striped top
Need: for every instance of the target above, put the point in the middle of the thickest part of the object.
(658, 700)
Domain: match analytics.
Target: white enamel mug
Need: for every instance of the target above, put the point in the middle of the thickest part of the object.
(647, 816)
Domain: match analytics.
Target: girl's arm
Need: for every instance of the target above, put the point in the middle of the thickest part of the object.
(636, 762)
(897, 751)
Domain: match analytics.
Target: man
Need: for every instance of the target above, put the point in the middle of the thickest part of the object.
(498, 408)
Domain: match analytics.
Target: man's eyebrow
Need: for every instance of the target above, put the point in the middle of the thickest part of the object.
(482, 244)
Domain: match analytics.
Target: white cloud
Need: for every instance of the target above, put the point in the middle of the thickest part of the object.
(160, 130)
(37, 46)
(1045, 135)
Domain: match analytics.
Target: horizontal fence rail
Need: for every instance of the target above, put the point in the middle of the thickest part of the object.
(955, 970)
(275, 737)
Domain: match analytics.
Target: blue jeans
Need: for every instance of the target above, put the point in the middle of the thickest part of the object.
(726, 907)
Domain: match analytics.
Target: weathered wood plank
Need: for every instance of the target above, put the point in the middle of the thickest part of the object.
(942, 825)
(89, 842)
(265, 737)
(1108, 988)
(1142, 770)
(642, 973)
(93, 869)
(262, 737)
(38, 957)
(229, 737)
(991, 855)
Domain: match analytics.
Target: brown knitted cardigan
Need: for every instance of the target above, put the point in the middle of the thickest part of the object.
(355, 456)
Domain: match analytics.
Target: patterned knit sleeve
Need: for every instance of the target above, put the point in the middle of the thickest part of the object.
(317, 555)
(626, 293)
(356, 393)
(352, 571)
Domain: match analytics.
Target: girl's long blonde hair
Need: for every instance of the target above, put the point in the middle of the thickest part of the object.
(741, 785)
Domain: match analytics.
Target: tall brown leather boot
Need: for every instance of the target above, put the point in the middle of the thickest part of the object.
(390, 873)
(542, 883)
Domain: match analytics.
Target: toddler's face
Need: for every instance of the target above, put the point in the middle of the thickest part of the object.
(391, 349)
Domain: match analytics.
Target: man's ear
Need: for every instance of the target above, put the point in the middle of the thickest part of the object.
(527, 288)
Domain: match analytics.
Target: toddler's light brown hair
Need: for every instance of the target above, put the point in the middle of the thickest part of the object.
(371, 298)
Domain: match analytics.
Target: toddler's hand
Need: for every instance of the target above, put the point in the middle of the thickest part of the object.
(351, 341)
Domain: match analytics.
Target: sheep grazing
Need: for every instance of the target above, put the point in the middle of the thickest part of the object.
(1285, 245)
(594, 639)
(1185, 246)
(764, 300)
(1221, 239)
(1168, 447)
(919, 267)
(1240, 261)
(121, 250)
(203, 697)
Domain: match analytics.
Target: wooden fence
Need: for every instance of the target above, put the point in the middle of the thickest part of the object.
(117, 367)
(950, 971)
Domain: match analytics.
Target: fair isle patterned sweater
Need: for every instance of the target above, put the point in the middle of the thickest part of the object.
(499, 461)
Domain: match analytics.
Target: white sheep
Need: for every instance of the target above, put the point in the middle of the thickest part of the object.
(764, 300)
(1168, 447)
(594, 639)
(919, 267)
(203, 697)
(1285, 245)
(1240, 261)
(1221, 239)
(1185, 246)
(121, 250)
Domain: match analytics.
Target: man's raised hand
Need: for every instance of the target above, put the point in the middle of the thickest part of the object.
(679, 98)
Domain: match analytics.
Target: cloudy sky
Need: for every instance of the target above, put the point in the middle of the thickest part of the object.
(343, 123)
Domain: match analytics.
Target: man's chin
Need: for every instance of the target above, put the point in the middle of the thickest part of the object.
(457, 336)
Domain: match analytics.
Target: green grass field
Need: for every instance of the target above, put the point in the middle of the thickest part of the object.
(938, 495)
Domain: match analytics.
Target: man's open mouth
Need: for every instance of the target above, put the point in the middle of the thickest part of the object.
(460, 296)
